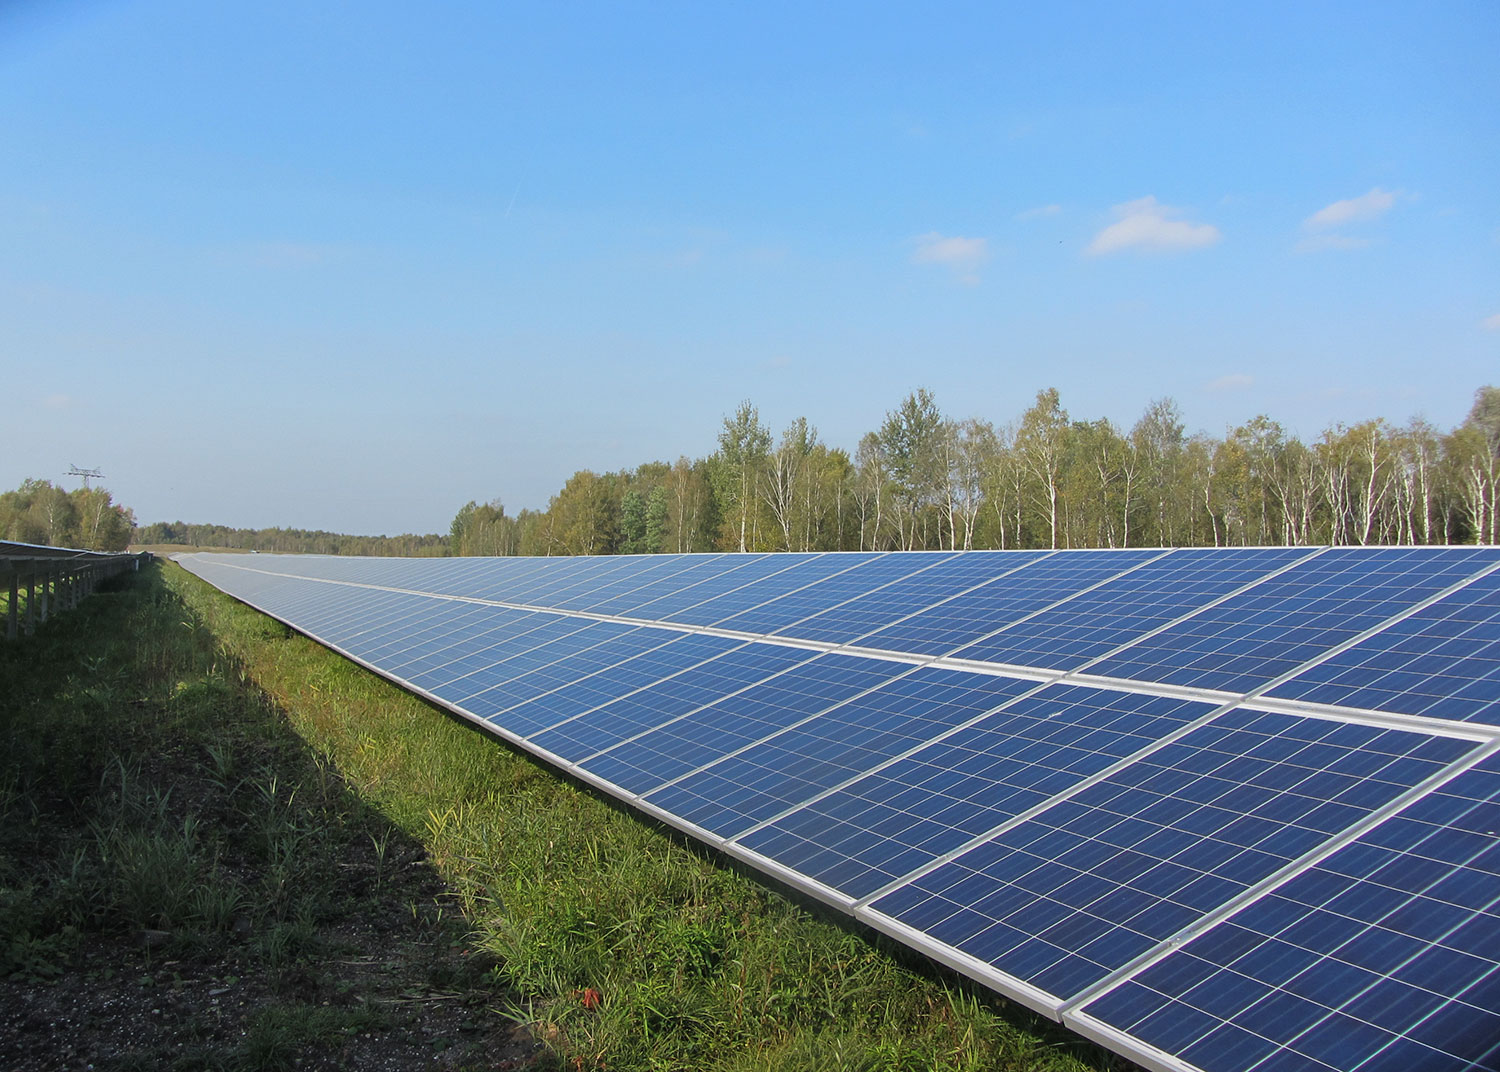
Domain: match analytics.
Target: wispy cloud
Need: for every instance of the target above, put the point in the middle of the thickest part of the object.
(58, 402)
(1039, 212)
(1361, 209)
(1234, 381)
(964, 256)
(1148, 224)
(1492, 323)
(1326, 228)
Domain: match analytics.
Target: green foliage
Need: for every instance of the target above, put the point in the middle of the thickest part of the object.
(633, 523)
(924, 481)
(656, 521)
(87, 518)
(303, 541)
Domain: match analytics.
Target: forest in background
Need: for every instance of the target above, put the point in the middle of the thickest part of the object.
(300, 541)
(87, 518)
(924, 480)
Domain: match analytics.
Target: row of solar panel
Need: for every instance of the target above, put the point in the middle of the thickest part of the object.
(1069, 612)
(1044, 830)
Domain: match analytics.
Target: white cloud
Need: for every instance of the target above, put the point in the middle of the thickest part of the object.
(58, 401)
(1361, 209)
(1148, 224)
(963, 255)
(1492, 323)
(1039, 212)
(1234, 381)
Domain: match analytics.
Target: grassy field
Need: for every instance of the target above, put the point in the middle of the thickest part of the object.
(186, 780)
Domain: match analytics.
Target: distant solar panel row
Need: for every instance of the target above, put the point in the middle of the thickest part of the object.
(1218, 809)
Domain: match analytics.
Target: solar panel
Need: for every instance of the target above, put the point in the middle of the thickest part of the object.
(1383, 956)
(1218, 809)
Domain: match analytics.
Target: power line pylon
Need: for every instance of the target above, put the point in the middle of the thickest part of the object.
(73, 470)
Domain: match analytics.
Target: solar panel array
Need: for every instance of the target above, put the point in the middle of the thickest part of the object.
(1216, 809)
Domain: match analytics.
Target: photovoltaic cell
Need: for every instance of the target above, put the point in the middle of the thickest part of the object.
(690, 571)
(782, 613)
(911, 812)
(590, 691)
(1443, 662)
(1081, 889)
(846, 622)
(682, 745)
(1096, 622)
(738, 571)
(956, 622)
(840, 744)
(632, 714)
(786, 574)
(1385, 956)
(1248, 641)
(600, 647)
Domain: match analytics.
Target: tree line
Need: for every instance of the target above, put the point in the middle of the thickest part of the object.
(299, 541)
(39, 512)
(924, 480)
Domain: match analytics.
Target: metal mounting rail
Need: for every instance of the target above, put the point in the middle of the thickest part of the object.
(53, 579)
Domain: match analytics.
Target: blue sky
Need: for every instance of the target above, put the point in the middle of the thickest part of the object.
(348, 266)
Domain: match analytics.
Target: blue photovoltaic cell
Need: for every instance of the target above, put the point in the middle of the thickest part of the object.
(1084, 887)
(506, 580)
(637, 571)
(384, 619)
(801, 571)
(688, 572)
(575, 588)
(862, 578)
(738, 571)
(1443, 661)
(496, 635)
(589, 691)
(1384, 957)
(965, 618)
(1275, 627)
(850, 620)
(519, 655)
(479, 578)
(1096, 622)
(581, 737)
(702, 736)
(604, 645)
(423, 628)
(841, 744)
(901, 818)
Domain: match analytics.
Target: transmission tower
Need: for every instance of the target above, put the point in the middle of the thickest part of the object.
(73, 470)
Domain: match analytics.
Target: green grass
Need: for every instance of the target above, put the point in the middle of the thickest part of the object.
(157, 809)
(621, 946)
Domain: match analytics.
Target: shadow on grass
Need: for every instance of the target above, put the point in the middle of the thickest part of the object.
(185, 883)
